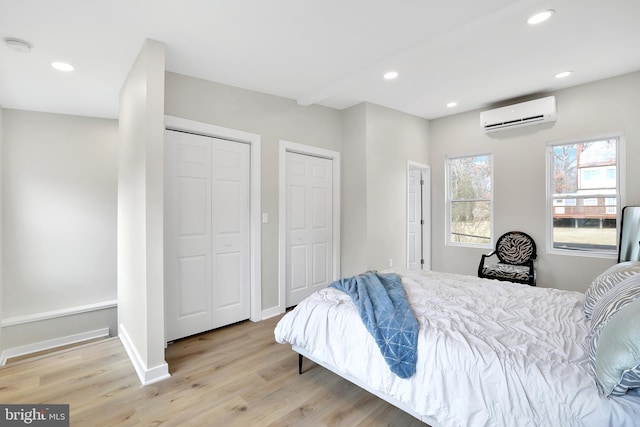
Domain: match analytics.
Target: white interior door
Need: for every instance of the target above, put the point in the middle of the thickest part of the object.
(418, 218)
(414, 220)
(206, 233)
(309, 225)
(230, 232)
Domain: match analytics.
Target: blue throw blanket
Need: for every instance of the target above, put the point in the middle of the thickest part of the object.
(385, 311)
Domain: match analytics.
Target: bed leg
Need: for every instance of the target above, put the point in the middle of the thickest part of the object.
(299, 364)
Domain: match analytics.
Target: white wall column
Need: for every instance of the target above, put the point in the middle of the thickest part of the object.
(140, 214)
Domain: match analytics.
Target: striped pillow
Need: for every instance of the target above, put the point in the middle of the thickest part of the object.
(610, 322)
(608, 280)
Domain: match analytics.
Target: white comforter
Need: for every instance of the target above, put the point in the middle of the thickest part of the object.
(489, 353)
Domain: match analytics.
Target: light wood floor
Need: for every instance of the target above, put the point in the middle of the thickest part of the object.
(234, 376)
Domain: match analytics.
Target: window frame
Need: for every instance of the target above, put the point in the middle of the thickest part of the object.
(448, 200)
(619, 196)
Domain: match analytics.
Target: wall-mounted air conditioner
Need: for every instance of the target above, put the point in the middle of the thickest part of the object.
(528, 113)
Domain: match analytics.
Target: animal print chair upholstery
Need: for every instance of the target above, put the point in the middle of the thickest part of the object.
(515, 251)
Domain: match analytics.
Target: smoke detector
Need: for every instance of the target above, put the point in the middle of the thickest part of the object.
(17, 45)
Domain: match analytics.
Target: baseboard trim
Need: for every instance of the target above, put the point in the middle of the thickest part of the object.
(38, 317)
(52, 343)
(271, 312)
(146, 375)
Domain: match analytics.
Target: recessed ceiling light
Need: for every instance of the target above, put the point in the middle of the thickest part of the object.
(563, 74)
(391, 75)
(62, 66)
(540, 17)
(17, 45)
(452, 104)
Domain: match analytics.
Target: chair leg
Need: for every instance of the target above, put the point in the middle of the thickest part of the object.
(299, 364)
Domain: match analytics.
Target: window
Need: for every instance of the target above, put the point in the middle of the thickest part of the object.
(584, 196)
(470, 200)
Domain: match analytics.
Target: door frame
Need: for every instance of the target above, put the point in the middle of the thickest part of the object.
(334, 156)
(210, 130)
(426, 211)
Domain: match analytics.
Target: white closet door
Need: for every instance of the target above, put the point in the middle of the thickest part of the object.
(207, 282)
(188, 292)
(230, 232)
(309, 219)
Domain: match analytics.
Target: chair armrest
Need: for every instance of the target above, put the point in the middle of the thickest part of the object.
(531, 271)
(493, 252)
(481, 266)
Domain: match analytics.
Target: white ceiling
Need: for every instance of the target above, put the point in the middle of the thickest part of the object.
(327, 52)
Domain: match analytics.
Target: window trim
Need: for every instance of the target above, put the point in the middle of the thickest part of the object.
(447, 205)
(619, 196)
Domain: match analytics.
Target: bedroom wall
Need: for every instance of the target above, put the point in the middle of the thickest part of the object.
(58, 233)
(595, 109)
(353, 235)
(378, 144)
(274, 119)
(140, 214)
(393, 139)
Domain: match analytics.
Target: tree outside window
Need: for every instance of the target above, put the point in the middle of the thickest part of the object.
(470, 199)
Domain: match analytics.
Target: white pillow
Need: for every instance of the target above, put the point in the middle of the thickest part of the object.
(617, 358)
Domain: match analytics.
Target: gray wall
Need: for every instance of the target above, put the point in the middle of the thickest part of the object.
(58, 211)
(393, 139)
(597, 109)
(271, 117)
(353, 234)
(379, 143)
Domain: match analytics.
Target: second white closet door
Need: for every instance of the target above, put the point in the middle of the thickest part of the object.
(309, 220)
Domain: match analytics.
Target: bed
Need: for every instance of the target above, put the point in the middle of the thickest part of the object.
(489, 353)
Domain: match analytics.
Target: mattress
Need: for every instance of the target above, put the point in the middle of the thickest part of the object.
(490, 353)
